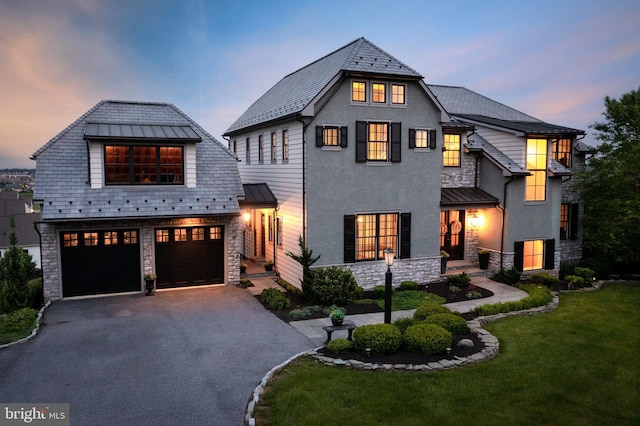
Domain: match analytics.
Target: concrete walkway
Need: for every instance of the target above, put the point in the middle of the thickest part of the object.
(501, 293)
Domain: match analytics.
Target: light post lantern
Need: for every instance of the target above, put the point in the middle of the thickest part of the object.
(388, 260)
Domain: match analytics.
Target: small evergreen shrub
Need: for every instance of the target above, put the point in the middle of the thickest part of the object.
(404, 322)
(340, 346)
(507, 276)
(546, 279)
(586, 274)
(460, 280)
(426, 309)
(274, 299)
(359, 293)
(379, 338)
(408, 285)
(333, 285)
(378, 292)
(34, 293)
(298, 314)
(574, 281)
(473, 294)
(17, 324)
(454, 288)
(428, 339)
(450, 322)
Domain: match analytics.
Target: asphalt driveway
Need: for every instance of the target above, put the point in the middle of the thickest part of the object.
(180, 357)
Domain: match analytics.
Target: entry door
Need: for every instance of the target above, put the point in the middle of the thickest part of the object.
(452, 233)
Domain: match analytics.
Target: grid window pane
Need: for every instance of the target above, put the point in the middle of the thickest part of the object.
(536, 154)
(162, 235)
(171, 164)
(533, 255)
(260, 148)
(131, 237)
(366, 237)
(374, 234)
(564, 221)
(561, 151)
(144, 164)
(90, 239)
(378, 92)
(285, 144)
(378, 145)
(451, 155)
(422, 138)
(180, 234)
(358, 91)
(215, 233)
(536, 185)
(197, 234)
(70, 239)
(110, 238)
(274, 147)
(117, 164)
(397, 93)
(388, 226)
(330, 136)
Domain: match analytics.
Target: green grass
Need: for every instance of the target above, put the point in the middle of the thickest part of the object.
(410, 299)
(578, 365)
(17, 325)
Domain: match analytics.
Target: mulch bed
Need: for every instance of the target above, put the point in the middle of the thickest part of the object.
(440, 288)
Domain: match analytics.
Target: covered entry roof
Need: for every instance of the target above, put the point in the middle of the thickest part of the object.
(258, 195)
(467, 197)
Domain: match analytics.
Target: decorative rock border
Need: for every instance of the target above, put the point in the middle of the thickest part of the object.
(33, 333)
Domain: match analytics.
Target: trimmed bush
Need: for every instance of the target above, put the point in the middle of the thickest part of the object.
(404, 322)
(450, 322)
(574, 281)
(274, 299)
(380, 338)
(546, 279)
(460, 280)
(538, 296)
(340, 346)
(428, 339)
(507, 276)
(426, 309)
(298, 314)
(333, 286)
(408, 285)
(585, 273)
(454, 288)
(34, 291)
(473, 294)
(378, 292)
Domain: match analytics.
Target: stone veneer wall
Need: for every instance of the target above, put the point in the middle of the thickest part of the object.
(51, 265)
(571, 250)
(458, 177)
(370, 274)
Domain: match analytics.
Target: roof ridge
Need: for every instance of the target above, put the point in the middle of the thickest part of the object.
(320, 59)
(384, 52)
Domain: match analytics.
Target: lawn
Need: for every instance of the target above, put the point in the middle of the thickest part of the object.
(578, 365)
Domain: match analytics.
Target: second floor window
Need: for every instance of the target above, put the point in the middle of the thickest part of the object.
(561, 151)
(536, 182)
(285, 144)
(359, 91)
(422, 137)
(143, 165)
(378, 145)
(274, 147)
(330, 136)
(379, 93)
(260, 148)
(397, 94)
(451, 154)
(248, 151)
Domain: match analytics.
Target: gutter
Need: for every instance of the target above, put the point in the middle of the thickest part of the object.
(304, 177)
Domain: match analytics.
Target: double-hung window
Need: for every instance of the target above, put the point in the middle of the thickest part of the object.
(260, 148)
(451, 154)
(422, 138)
(144, 165)
(274, 147)
(374, 234)
(397, 94)
(561, 151)
(358, 91)
(536, 182)
(378, 142)
(379, 93)
(285, 145)
(331, 136)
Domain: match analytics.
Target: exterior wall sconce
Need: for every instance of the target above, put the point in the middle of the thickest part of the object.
(475, 220)
(247, 216)
(388, 260)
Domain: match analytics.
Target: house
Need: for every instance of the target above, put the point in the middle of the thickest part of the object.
(20, 209)
(361, 156)
(131, 188)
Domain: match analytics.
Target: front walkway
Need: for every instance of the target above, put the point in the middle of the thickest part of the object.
(501, 293)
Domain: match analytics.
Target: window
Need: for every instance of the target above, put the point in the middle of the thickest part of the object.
(374, 234)
(561, 151)
(90, 239)
(359, 91)
(379, 93)
(130, 237)
(536, 183)
(569, 221)
(197, 234)
(330, 136)
(215, 233)
(235, 147)
(451, 154)
(274, 147)
(180, 234)
(162, 235)
(378, 143)
(422, 137)
(533, 255)
(248, 151)
(270, 229)
(110, 238)
(260, 148)
(278, 231)
(397, 94)
(333, 136)
(133, 165)
(285, 144)
(70, 239)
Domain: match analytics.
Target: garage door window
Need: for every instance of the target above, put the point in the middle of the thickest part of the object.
(110, 238)
(162, 235)
(197, 234)
(70, 239)
(215, 233)
(90, 239)
(130, 237)
(180, 235)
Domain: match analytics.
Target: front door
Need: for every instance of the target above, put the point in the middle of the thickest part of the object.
(452, 233)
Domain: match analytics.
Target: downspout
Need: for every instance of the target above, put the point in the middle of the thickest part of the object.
(504, 211)
(304, 177)
(35, 225)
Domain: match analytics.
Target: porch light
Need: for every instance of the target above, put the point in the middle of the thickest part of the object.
(388, 260)
(247, 216)
(476, 221)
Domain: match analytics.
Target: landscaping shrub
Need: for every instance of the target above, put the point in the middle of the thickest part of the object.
(546, 279)
(17, 324)
(410, 299)
(380, 338)
(538, 296)
(298, 314)
(378, 292)
(454, 288)
(428, 339)
(473, 294)
(585, 273)
(426, 309)
(340, 346)
(274, 299)
(404, 322)
(574, 281)
(288, 286)
(333, 286)
(34, 293)
(507, 276)
(450, 322)
(408, 285)
(460, 280)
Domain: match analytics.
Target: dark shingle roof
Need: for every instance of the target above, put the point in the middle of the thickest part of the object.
(527, 127)
(466, 197)
(258, 194)
(25, 229)
(296, 90)
(62, 172)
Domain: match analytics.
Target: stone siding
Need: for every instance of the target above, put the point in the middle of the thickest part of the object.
(460, 177)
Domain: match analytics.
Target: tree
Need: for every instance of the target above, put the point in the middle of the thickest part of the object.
(16, 270)
(610, 184)
(306, 259)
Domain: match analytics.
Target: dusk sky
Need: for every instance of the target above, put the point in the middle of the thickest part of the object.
(555, 60)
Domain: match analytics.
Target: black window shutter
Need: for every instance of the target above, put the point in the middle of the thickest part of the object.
(343, 136)
(405, 236)
(549, 253)
(319, 136)
(361, 141)
(412, 138)
(349, 239)
(395, 142)
(432, 138)
(573, 221)
(518, 258)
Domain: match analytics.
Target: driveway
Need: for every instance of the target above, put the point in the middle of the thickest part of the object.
(190, 356)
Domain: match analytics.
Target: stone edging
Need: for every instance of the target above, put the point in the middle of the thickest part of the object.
(33, 333)
(491, 349)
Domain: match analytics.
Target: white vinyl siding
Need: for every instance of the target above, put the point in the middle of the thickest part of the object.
(510, 145)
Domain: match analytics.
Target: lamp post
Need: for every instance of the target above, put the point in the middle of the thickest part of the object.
(388, 260)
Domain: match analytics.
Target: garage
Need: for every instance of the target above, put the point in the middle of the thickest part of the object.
(100, 262)
(189, 256)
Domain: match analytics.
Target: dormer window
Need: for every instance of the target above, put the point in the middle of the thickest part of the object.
(143, 165)
(379, 93)
(359, 91)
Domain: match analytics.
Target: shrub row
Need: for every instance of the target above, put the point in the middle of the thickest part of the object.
(538, 296)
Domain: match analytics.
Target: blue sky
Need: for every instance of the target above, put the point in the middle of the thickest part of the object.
(555, 60)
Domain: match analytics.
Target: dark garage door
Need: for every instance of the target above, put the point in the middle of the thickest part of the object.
(189, 256)
(97, 262)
